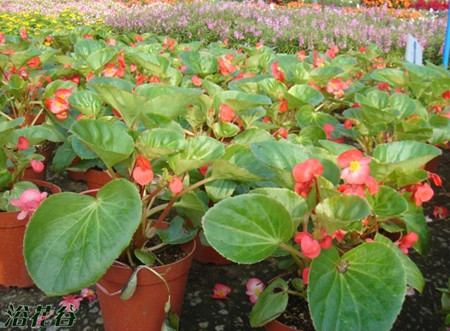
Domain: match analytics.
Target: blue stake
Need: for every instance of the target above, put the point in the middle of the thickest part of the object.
(447, 42)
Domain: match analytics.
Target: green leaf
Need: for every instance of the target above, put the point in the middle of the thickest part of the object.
(247, 228)
(130, 286)
(414, 276)
(310, 135)
(324, 74)
(98, 59)
(72, 239)
(441, 129)
(307, 116)
(220, 189)
(335, 148)
(253, 135)
(304, 94)
(35, 134)
(160, 142)
(293, 202)
(402, 104)
(192, 207)
(109, 141)
(271, 303)
(176, 233)
(199, 62)
(199, 151)
(406, 154)
(387, 202)
(366, 288)
(338, 212)
(240, 101)
(86, 47)
(395, 77)
(145, 257)
(224, 129)
(223, 169)
(87, 102)
(63, 157)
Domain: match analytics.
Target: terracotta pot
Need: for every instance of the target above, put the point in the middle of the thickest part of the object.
(144, 311)
(12, 265)
(77, 175)
(278, 326)
(96, 178)
(207, 254)
(30, 118)
(433, 165)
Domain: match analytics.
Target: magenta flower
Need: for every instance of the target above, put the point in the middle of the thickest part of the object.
(356, 169)
(220, 291)
(254, 288)
(71, 302)
(29, 200)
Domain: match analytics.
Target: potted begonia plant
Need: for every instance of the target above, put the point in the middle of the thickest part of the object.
(19, 196)
(343, 241)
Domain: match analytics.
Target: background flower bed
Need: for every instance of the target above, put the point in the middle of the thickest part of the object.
(286, 29)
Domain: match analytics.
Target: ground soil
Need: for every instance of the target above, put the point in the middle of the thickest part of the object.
(202, 313)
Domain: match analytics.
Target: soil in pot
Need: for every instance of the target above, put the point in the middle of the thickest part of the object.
(145, 309)
(295, 317)
(13, 271)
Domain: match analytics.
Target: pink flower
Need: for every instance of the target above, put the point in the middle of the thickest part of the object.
(220, 291)
(440, 212)
(176, 185)
(226, 113)
(339, 235)
(301, 55)
(28, 202)
(331, 53)
(89, 294)
(22, 143)
(58, 106)
(309, 246)
(329, 129)
(23, 33)
(337, 87)
(71, 302)
(352, 190)
(318, 62)
(356, 169)
(304, 174)
(254, 289)
(37, 166)
(225, 64)
(282, 132)
(142, 173)
(305, 275)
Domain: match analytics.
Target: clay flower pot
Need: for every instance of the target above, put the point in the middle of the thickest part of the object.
(144, 311)
(278, 326)
(12, 265)
(96, 178)
(207, 254)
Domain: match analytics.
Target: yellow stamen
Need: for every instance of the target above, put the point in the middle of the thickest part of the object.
(354, 166)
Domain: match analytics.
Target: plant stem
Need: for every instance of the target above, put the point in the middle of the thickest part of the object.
(291, 250)
(194, 186)
(111, 172)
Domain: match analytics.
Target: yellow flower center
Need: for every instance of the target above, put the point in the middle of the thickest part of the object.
(354, 166)
(58, 104)
(221, 293)
(257, 291)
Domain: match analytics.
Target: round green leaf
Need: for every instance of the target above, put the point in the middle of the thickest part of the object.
(72, 239)
(387, 202)
(109, 141)
(339, 211)
(362, 290)
(305, 94)
(247, 228)
(87, 102)
(160, 142)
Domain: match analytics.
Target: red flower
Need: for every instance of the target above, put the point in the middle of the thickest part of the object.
(88, 36)
(176, 185)
(407, 242)
(225, 64)
(348, 124)
(352, 190)
(307, 171)
(58, 106)
(276, 71)
(329, 129)
(139, 39)
(154, 79)
(220, 291)
(440, 212)
(331, 53)
(337, 87)
(378, 63)
(63, 94)
(339, 235)
(226, 113)
(383, 86)
(34, 62)
(143, 173)
(356, 169)
(196, 81)
(22, 143)
(203, 170)
(318, 62)
(421, 193)
(446, 95)
(282, 132)
(326, 242)
(111, 42)
(362, 49)
(305, 275)
(140, 79)
(435, 178)
(301, 55)
(2, 38)
(283, 106)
